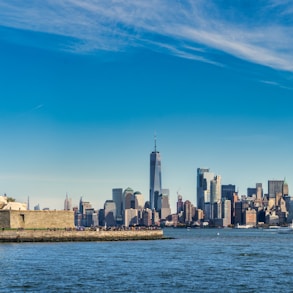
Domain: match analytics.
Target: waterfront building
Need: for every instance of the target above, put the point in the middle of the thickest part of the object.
(250, 217)
(155, 218)
(117, 197)
(155, 177)
(147, 217)
(130, 217)
(199, 215)
(174, 219)
(110, 213)
(272, 218)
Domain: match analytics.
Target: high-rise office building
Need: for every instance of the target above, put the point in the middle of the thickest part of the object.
(83, 206)
(137, 201)
(130, 217)
(110, 213)
(216, 189)
(127, 197)
(155, 177)
(117, 196)
(228, 191)
(251, 191)
(180, 204)
(275, 187)
(204, 177)
(226, 212)
(259, 191)
(188, 212)
(165, 209)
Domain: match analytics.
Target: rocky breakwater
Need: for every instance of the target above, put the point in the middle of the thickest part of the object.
(73, 235)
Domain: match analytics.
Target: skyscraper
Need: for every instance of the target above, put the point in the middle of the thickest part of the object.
(204, 177)
(117, 196)
(215, 189)
(67, 203)
(275, 187)
(228, 191)
(110, 213)
(180, 204)
(155, 177)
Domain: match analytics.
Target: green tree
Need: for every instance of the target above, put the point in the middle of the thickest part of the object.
(10, 199)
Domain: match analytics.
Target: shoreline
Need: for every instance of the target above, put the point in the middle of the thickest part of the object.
(7, 236)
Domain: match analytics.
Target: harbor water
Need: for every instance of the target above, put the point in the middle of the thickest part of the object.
(195, 260)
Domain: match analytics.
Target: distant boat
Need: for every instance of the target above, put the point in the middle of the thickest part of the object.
(243, 226)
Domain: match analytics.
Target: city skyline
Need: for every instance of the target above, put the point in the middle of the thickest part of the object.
(84, 85)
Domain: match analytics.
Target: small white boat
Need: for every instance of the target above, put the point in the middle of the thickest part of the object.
(243, 226)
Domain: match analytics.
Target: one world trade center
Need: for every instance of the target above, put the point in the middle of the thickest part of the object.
(155, 177)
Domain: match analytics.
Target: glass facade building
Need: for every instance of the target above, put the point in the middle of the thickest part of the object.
(204, 177)
(155, 178)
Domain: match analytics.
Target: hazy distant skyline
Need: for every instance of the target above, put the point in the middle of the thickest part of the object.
(85, 84)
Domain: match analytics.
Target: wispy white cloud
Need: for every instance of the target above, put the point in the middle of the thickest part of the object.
(273, 83)
(38, 107)
(256, 31)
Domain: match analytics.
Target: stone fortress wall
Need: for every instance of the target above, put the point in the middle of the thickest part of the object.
(24, 219)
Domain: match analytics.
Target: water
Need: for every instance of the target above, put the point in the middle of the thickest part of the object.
(208, 260)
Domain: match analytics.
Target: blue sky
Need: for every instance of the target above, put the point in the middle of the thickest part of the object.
(86, 84)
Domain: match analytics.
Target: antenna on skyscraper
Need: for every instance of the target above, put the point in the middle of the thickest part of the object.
(155, 138)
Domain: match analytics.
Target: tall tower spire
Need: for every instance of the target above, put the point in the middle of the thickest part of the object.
(155, 176)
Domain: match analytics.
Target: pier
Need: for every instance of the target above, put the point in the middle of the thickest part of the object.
(73, 235)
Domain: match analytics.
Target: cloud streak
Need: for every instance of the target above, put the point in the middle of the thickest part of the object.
(256, 31)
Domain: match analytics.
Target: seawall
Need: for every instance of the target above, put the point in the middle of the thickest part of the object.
(63, 235)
